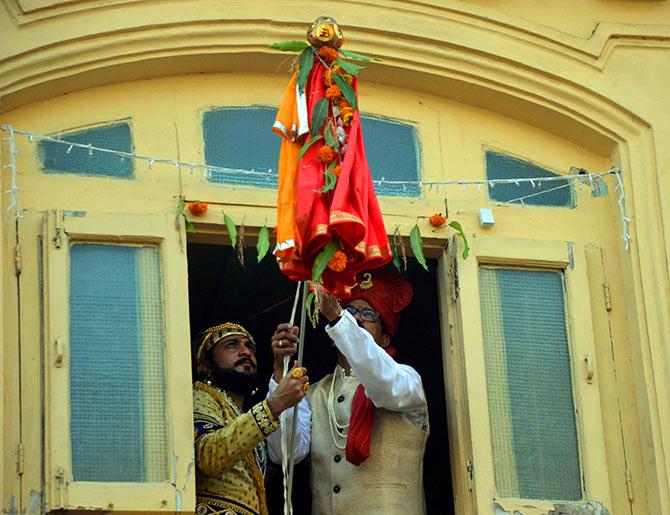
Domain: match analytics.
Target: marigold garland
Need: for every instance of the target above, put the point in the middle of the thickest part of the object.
(333, 93)
(328, 54)
(327, 78)
(349, 78)
(197, 208)
(347, 115)
(336, 170)
(338, 262)
(326, 154)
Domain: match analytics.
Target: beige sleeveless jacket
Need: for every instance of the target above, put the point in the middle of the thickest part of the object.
(389, 482)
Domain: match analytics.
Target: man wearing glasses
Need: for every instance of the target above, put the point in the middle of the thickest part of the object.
(230, 450)
(369, 418)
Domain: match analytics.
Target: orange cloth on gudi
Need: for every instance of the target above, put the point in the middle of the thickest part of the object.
(350, 212)
(287, 125)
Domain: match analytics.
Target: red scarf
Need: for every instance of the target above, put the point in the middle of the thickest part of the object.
(360, 424)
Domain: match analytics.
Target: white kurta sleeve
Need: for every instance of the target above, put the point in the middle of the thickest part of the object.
(304, 428)
(388, 384)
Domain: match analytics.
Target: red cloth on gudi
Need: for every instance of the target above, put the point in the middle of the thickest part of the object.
(350, 212)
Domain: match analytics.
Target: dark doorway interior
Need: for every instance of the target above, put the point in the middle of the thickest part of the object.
(259, 297)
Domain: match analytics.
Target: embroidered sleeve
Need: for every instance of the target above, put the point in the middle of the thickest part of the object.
(222, 440)
(266, 422)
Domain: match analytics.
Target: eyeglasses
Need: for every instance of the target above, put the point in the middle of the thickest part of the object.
(367, 315)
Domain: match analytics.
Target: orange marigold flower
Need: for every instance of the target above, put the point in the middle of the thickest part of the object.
(328, 54)
(348, 78)
(344, 104)
(333, 92)
(336, 170)
(327, 78)
(437, 220)
(336, 68)
(347, 115)
(326, 154)
(197, 208)
(338, 262)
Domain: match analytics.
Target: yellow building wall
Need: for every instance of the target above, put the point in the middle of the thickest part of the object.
(579, 83)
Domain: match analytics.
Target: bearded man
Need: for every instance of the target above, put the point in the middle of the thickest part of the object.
(369, 417)
(230, 449)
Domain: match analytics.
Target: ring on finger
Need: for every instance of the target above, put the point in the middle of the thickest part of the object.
(297, 373)
(305, 386)
(280, 344)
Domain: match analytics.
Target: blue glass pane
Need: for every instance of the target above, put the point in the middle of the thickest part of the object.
(118, 427)
(393, 153)
(240, 138)
(529, 382)
(501, 166)
(58, 157)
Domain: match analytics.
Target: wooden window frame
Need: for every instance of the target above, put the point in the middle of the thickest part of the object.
(177, 492)
(473, 466)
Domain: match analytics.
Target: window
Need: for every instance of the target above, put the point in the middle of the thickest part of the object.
(119, 406)
(533, 426)
(240, 139)
(393, 153)
(117, 364)
(61, 158)
(526, 398)
(552, 193)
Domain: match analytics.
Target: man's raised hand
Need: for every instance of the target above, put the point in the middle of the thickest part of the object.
(284, 343)
(290, 391)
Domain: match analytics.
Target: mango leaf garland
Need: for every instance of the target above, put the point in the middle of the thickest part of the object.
(358, 57)
(306, 62)
(323, 258)
(417, 246)
(263, 244)
(318, 116)
(290, 45)
(308, 144)
(232, 230)
(459, 229)
(346, 89)
(350, 68)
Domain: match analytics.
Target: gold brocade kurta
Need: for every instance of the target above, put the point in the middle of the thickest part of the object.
(229, 453)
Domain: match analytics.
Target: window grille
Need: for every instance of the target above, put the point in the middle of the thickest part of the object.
(528, 375)
(60, 158)
(117, 382)
(501, 166)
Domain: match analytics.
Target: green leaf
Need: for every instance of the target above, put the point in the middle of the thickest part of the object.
(310, 303)
(417, 246)
(346, 89)
(232, 230)
(394, 251)
(358, 57)
(350, 68)
(263, 244)
(331, 178)
(306, 63)
(308, 144)
(328, 135)
(466, 248)
(318, 116)
(323, 258)
(290, 45)
(189, 225)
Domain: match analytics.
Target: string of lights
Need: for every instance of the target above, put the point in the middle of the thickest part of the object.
(209, 169)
